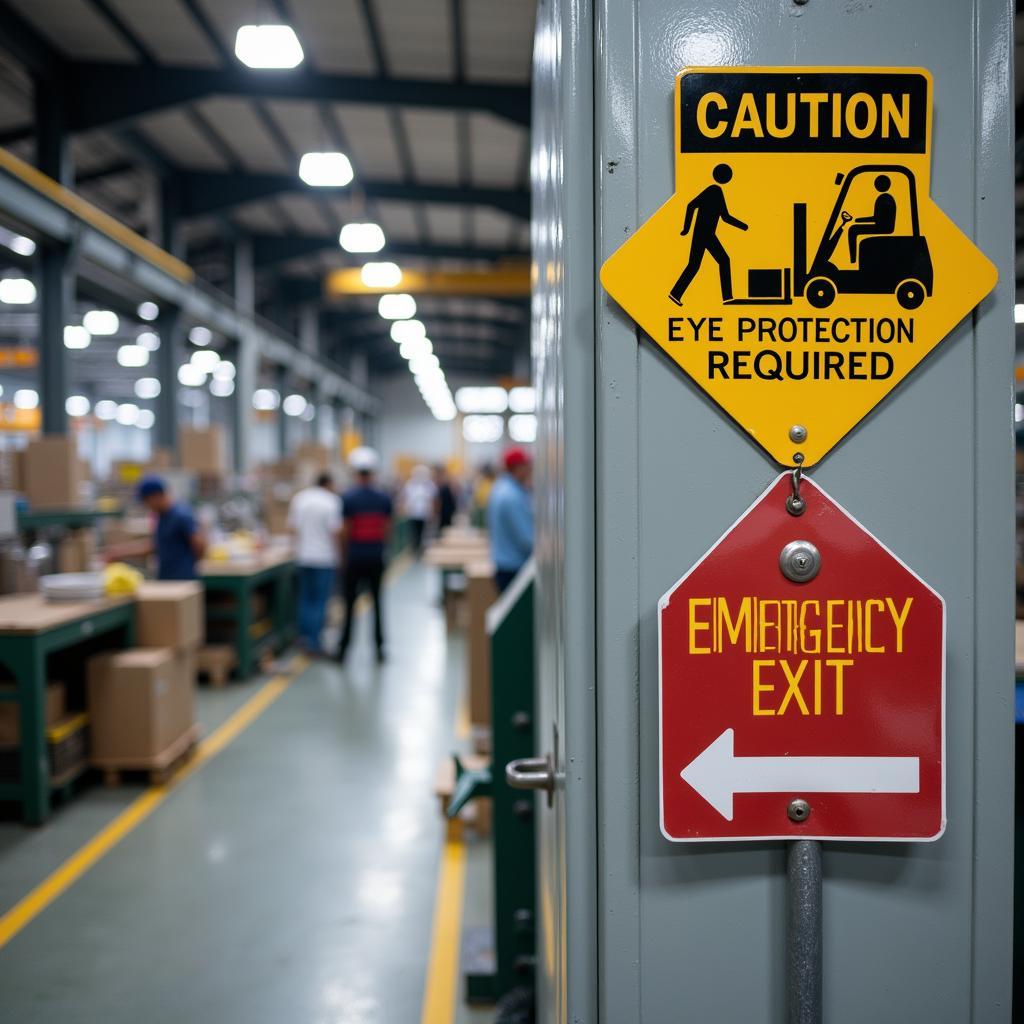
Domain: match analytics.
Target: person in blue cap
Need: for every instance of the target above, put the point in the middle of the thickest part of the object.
(178, 539)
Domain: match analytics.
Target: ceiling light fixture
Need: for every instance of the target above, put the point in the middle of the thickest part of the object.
(325, 170)
(201, 336)
(17, 291)
(148, 311)
(101, 322)
(381, 275)
(147, 387)
(132, 355)
(362, 238)
(407, 330)
(274, 47)
(77, 405)
(76, 336)
(397, 307)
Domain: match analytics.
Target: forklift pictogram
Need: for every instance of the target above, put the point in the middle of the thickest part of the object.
(888, 253)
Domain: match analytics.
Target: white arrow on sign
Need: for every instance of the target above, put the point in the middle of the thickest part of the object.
(717, 774)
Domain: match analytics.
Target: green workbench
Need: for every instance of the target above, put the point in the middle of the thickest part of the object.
(242, 580)
(32, 629)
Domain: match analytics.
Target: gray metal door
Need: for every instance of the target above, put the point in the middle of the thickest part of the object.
(563, 348)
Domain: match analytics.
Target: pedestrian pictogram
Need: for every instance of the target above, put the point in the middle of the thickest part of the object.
(802, 684)
(801, 269)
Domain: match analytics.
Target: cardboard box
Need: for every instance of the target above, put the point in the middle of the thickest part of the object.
(54, 476)
(12, 469)
(169, 614)
(202, 451)
(140, 703)
(76, 551)
(54, 710)
(275, 514)
(317, 454)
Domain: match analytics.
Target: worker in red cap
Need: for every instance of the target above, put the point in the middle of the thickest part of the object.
(510, 517)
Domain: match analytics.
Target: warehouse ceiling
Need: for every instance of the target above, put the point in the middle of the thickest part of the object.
(428, 98)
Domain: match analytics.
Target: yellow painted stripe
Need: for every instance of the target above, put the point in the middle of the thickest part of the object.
(443, 970)
(95, 217)
(23, 912)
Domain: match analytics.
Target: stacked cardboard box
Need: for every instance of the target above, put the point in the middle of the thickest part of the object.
(76, 551)
(11, 469)
(53, 474)
(202, 451)
(141, 702)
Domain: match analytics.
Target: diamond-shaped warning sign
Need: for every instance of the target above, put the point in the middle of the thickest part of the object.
(801, 269)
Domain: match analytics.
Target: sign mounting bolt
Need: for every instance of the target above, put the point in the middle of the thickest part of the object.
(798, 810)
(797, 433)
(800, 561)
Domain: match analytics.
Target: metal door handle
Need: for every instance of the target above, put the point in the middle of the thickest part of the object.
(532, 773)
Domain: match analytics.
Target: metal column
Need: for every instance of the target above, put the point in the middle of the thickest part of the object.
(167, 360)
(282, 378)
(54, 261)
(246, 356)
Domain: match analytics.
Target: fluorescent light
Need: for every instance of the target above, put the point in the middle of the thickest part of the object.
(294, 405)
(523, 428)
(147, 387)
(481, 400)
(17, 243)
(361, 238)
(381, 275)
(17, 291)
(146, 419)
(224, 370)
(522, 400)
(398, 306)
(1018, 313)
(105, 410)
(406, 330)
(308, 413)
(445, 414)
(77, 405)
(483, 429)
(200, 335)
(148, 311)
(76, 336)
(1018, 413)
(205, 359)
(326, 170)
(132, 355)
(191, 376)
(220, 388)
(26, 398)
(268, 46)
(101, 322)
(415, 347)
(423, 364)
(127, 414)
(265, 399)
(148, 340)
(22, 246)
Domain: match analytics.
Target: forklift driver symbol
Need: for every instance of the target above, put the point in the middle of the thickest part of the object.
(709, 208)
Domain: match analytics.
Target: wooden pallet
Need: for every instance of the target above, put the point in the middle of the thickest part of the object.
(477, 813)
(216, 662)
(158, 768)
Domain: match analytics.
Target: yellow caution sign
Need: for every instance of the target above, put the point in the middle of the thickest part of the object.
(801, 269)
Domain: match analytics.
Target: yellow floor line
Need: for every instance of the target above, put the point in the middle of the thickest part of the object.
(443, 970)
(32, 905)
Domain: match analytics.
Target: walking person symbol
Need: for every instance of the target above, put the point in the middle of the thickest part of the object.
(709, 208)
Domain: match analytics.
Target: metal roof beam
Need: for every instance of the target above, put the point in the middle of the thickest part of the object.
(106, 94)
(270, 250)
(206, 192)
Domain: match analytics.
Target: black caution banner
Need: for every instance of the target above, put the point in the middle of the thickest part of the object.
(808, 112)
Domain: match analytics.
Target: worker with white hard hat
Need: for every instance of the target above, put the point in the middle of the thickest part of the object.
(366, 528)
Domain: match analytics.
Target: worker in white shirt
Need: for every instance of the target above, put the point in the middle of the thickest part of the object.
(419, 501)
(314, 517)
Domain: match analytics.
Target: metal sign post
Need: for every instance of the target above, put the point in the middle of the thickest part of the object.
(803, 927)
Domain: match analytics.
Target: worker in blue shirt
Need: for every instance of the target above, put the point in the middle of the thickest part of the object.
(178, 540)
(510, 517)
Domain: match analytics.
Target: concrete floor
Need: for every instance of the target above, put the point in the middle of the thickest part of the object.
(290, 880)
